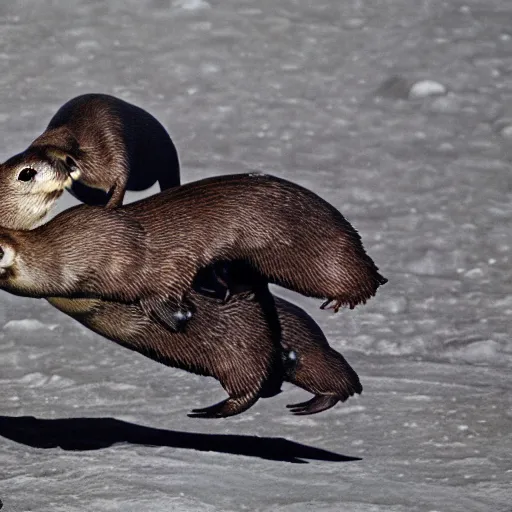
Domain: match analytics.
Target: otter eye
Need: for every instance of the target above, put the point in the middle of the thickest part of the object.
(1, 253)
(26, 174)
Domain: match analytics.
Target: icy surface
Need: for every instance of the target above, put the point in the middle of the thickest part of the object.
(290, 88)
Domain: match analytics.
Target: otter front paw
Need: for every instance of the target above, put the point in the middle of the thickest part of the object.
(318, 403)
(170, 314)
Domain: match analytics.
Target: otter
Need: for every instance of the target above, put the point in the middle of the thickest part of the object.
(150, 251)
(308, 360)
(231, 342)
(28, 195)
(97, 146)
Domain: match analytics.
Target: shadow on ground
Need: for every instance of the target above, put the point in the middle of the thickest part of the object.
(97, 433)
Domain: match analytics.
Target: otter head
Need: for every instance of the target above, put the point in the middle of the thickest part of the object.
(30, 184)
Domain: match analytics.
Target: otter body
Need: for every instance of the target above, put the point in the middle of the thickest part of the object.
(116, 147)
(231, 342)
(151, 250)
(27, 197)
(105, 144)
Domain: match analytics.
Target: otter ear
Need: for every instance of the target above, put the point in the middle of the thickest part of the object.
(7, 255)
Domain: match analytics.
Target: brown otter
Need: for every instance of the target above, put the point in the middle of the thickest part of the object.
(28, 194)
(308, 360)
(105, 144)
(30, 186)
(151, 250)
(231, 342)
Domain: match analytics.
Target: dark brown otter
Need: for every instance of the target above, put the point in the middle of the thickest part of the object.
(150, 251)
(308, 360)
(105, 144)
(232, 342)
(27, 196)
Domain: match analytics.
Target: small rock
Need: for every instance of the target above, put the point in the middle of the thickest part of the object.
(425, 88)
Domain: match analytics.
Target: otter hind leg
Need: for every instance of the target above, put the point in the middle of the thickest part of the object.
(318, 403)
(229, 407)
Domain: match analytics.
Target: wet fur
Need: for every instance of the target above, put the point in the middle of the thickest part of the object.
(316, 366)
(116, 145)
(113, 145)
(22, 211)
(151, 250)
(231, 342)
(308, 360)
(26, 205)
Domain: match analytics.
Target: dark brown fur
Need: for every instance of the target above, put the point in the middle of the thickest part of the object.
(112, 145)
(93, 117)
(311, 363)
(151, 250)
(117, 146)
(231, 342)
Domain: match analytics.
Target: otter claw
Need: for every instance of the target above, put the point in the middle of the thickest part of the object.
(335, 307)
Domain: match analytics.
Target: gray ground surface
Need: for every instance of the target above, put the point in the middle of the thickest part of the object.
(289, 88)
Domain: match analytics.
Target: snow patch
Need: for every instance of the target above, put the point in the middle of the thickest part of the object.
(28, 324)
(478, 352)
(425, 88)
(192, 5)
(36, 380)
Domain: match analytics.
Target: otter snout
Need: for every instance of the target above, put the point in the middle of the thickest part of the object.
(50, 179)
(7, 257)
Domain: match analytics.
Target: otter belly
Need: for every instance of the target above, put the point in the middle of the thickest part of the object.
(74, 307)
